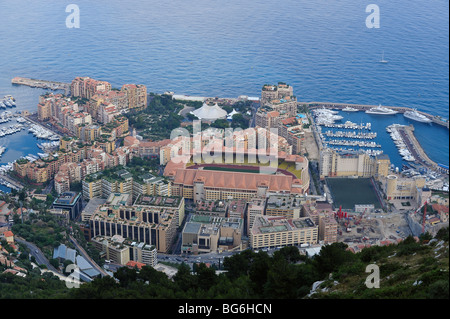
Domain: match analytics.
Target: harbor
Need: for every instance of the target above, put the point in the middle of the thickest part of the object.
(20, 137)
(346, 128)
(363, 107)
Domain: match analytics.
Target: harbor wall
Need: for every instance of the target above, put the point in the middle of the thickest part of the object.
(363, 107)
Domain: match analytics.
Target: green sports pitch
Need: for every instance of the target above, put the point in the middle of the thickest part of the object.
(348, 192)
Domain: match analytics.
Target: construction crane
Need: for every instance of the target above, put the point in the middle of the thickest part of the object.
(360, 217)
(424, 214)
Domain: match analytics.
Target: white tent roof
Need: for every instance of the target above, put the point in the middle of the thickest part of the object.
(230, 115)
(210, 112)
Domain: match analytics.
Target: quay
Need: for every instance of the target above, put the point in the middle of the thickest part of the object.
(313, 105)
(52, 85)
(5, 179)
(407, 134)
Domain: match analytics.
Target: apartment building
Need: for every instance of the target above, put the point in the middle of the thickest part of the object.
(211, 208)
(335, 163)
(137, 95)
(86, 87)
(268, 232)
(113, 248)
(284, 206)
(271, 92)
(150, 225)
(328, 228)
(255, 206)
(204, 234)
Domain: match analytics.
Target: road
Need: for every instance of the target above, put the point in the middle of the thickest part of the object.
(37, 253)
(83, 253)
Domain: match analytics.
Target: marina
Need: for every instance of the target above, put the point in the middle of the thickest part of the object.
(21, 138)
(364, 107)
(361, 135)
(392, 135)
(7, 102)
(394, 131)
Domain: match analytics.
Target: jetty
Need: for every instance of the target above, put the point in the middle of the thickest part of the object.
(407, 134)
(362, 107)
(43, 84)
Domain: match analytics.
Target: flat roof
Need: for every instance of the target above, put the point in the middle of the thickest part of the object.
(192, 228)
(67, 198)
(93, 204)
(264, 224)
(164, 201)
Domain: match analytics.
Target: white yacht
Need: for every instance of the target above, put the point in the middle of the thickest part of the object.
(380, 110)
(416, 116)
(349, 109)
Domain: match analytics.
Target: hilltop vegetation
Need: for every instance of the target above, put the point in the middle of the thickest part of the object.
(409, 270)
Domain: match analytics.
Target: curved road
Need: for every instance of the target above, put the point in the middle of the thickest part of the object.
(37, 253)
(83, 253)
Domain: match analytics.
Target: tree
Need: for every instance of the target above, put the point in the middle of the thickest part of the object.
(220, 123)
(289, 253)
(206, 277)
(258, 272)
(54, 262)
(125, 276)
(184, 279)
(238, 264)
(332, 256)
(239, 121)
(281, 280)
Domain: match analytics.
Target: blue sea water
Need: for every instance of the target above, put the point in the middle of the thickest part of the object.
(231, 48)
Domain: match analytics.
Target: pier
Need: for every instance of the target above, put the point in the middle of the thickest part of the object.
(407, 134)
(313, 105)
(10, 182)
(52, 85)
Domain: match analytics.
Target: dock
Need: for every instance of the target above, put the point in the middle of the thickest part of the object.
(43, 84)
(413, 145)
(362, 107)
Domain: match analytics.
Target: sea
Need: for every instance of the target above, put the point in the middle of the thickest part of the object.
(324, 49)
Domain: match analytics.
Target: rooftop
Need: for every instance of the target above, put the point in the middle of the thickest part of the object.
(163, 201)
(266, 224)
(67, 198)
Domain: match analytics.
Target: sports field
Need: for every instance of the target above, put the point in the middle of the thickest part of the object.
(350, 191)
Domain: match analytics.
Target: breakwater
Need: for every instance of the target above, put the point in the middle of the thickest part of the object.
(43, 84)
(362, 107)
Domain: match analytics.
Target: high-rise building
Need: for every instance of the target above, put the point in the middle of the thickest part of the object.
(137, 95)
(70, 201)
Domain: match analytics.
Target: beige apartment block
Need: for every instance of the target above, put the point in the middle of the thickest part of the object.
(270, 232)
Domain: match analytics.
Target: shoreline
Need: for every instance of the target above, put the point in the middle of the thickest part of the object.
(53, 85)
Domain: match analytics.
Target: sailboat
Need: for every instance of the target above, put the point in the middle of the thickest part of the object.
(382, 59)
